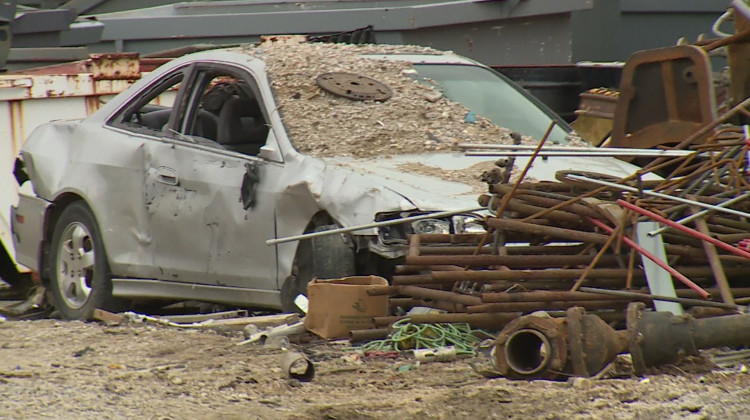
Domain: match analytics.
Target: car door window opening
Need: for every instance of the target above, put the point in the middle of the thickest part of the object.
(225, 108)
(151, 112)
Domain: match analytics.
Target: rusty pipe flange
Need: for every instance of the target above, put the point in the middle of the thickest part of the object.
(592, 344)
(658, 338)
(635, 338)
(354, 86)
(531, 347)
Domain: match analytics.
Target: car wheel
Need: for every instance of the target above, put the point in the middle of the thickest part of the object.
(323, 257)
(80, 280)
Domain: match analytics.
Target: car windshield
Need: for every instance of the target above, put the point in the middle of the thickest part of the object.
(490, 95)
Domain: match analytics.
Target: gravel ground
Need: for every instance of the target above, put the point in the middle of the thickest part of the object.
(52, 369)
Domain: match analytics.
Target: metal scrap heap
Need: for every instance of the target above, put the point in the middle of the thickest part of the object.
(593, 246)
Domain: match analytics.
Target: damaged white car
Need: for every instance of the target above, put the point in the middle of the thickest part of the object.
(171, 190)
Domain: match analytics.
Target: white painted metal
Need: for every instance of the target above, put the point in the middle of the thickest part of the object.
(30, 100)
(659, 280)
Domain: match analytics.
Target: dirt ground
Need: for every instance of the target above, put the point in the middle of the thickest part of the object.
(73, 370)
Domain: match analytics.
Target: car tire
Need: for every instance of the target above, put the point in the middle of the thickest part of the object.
(324, 257)
(80, 280)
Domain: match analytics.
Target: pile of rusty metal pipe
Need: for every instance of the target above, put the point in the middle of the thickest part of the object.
(552, 239)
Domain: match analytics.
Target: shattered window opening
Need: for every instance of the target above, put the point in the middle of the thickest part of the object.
(151, 112)
(224, 108)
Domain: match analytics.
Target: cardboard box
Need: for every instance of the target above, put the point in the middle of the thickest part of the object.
(338, 306)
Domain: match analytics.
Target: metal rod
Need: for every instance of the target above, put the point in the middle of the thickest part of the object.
(700, 214)
(659, 195)
(557, 275)
(640, 296)
(650, 152)
(543, 296)
(575, 235)
(512, 261)
(723, 245)
(715, 263)
(371, 225)
(547, 305)
(686, 281)
(562, 153)
(425, 293)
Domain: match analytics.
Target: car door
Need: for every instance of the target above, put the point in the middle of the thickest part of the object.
(149, 118)
(210, 195)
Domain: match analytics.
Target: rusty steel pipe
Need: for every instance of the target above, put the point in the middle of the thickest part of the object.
(548, 296)
(546, 305)
(681, 277)
(575, 235)
(657, 338)
(693, 232)
(454, 250)
(582, 344)
(451, 238)
(525, 209)
(536, 198)
(638, 296)
(360, 336)
(425, 293)
(491, 276)
(511, 261)
(404, 269)
(384, 321)
(505, 285)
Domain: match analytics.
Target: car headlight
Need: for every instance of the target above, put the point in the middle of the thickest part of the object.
(431, 226)
(468, 224)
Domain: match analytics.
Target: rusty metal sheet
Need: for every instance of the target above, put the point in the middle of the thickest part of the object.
(665, 95)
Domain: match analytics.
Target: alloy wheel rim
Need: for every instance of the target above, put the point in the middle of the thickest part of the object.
(75, 265)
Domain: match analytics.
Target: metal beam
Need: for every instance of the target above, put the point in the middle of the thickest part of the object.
(173, 21)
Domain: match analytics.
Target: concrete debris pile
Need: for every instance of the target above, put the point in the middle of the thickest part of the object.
(416, 119)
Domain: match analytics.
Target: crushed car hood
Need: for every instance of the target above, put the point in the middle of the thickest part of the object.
(452, 181)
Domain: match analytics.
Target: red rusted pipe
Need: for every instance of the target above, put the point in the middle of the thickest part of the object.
(686, 281)
(723, 245)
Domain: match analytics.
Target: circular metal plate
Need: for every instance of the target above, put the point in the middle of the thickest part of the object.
(354, 86)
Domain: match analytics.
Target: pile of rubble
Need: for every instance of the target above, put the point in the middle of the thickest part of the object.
(416, 119)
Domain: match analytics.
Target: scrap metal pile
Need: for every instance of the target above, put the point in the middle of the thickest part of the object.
(592, 246)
